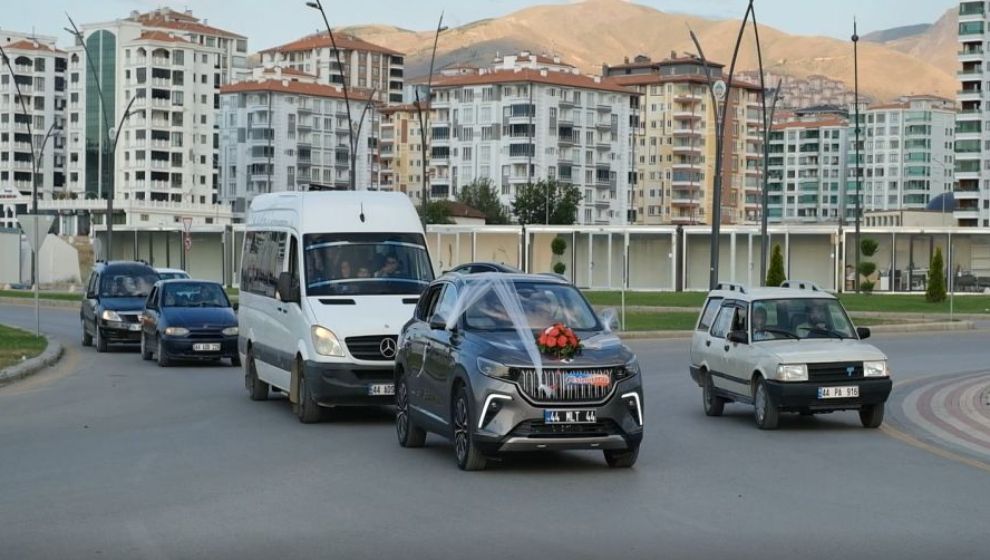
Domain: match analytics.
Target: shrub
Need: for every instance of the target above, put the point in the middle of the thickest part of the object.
(559, 268)
(867, 268)
(776, 275)
(868, 246)
(558, 246)
(936, 279)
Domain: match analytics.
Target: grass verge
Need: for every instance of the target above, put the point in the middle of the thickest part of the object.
(17, 345)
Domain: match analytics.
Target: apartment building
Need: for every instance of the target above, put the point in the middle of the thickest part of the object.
(972, 192)
(283, 131)
(39, 74)
(675, 143)
(173, 66)
(400, 145)
(365, 65)
(807, 170)
(909, 149)
(518, 125)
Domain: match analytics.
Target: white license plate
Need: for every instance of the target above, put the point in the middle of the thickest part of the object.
(206, 347)
(134, 327)
(569, 416)
(381, 390)
(838, 392)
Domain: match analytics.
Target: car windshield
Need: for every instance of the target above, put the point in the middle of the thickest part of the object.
(193, 294)
(127, 282)
(542, 304)
(366, 264)
(173, 275)
(800, 318)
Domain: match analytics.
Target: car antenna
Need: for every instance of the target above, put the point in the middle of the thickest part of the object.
(362, 212)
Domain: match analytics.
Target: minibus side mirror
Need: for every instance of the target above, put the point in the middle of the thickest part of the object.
(287, 289)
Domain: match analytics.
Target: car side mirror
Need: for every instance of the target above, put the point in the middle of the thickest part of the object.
(438, 323)
(287, 289)
(863, 333)
(610, 318)
(235, 306)
(90, 295)
(739, 337)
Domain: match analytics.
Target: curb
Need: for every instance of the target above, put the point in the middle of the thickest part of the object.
(58, 303)
(876, 329)
(51, 355)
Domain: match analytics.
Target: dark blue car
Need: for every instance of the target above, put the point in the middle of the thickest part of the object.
(188, 320)
(115, 295)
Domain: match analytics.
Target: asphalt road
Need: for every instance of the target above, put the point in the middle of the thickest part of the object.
(107, 456)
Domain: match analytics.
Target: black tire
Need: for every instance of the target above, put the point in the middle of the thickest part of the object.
(713, 404)
(765, 409)
(307, 410)
(257, 389)
(621, 459)
(871, 415)
(409, 434)
(163, 359)
(101, 343)
(87, 339)
(235, 360)
(465, 451)
(145, 352)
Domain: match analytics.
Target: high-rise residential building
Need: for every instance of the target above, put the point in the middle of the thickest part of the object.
(517, 125)
(675, 143)
(400, 150)
(972, 193)
(173, 65)
(283, 131)
(909, 149)
(807, 170)
(40, 76)
(365, 65)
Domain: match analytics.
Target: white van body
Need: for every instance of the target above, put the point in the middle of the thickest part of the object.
(314, 236)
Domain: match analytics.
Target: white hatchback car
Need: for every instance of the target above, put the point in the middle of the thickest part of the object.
(787, 349)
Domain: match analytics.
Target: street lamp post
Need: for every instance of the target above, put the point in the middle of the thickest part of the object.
(859, 162)
(767, 129)
(424, 122)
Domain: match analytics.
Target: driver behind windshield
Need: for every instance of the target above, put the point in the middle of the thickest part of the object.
(760, 323)
(817, 319)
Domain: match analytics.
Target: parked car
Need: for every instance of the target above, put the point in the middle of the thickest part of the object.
(172, 274)
(322, 300)
(468, 369)
(787, 349)
(479, 267)
(189, 320)
(114, 298)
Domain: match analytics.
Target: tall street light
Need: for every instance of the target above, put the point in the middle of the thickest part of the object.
(767, 130)
(859, 162)
(318, 5)
(424, 121)
(721, 113)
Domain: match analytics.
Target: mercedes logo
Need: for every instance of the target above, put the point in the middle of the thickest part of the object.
(387, 347)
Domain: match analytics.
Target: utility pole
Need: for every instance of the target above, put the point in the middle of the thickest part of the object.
(424, 122)
(859, 162)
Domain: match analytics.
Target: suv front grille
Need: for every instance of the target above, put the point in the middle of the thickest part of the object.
(129, 317)
(370, 347)
(835, 371)
(537, 429)
(566, 385)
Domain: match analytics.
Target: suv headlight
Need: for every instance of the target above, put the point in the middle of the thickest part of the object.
(493, 369)
(326, 343)
(110, 315)
(230, 331)
(176, 331)
(630, 369)
(792, 372)
(876, 368)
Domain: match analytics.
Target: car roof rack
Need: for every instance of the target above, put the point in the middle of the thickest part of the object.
(800, 285)
(731, 287)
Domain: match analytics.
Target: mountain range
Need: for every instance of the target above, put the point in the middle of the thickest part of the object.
(587, 34)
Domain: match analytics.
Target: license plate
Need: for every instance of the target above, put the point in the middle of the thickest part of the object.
(207, 347)
(569, 416)
(381, 390)
(838, 392)
(134, 327)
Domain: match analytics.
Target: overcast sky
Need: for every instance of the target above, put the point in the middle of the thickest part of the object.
(270, 22)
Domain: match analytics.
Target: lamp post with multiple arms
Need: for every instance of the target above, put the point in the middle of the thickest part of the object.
(721, 114)
(767, 129)
(424, 120)
(859, 162)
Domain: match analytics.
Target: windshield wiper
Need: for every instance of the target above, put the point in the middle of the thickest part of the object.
(788, 334)
(827, 332)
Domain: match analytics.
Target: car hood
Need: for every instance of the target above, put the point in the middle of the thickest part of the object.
(200, 317)
(815, 350)
(363, 315)
(601, 349)
(123, 303)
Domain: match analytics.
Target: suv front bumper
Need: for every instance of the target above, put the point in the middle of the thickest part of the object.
(516, 423)
(804, 395)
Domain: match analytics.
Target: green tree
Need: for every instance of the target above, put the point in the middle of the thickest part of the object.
(936, 278)
(435, 212)
(530, 205)
(481, 195)
(868, 247)
(776, 275)
(557, 247)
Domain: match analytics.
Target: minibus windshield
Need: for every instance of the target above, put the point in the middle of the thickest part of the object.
(359, 264)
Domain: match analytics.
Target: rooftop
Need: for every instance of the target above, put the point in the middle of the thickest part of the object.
(294, 86)
(161, 36)
(811, 124)
(564, 79)
(322, 41)
(27, 45)
(167, 18)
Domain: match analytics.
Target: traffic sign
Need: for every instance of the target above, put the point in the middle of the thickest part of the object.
(35, 227)
(187, 242)
(187, 224)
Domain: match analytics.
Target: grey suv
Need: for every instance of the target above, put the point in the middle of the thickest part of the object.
(787, 349)
(468, 369)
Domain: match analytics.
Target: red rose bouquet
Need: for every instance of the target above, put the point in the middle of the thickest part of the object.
(559, 341)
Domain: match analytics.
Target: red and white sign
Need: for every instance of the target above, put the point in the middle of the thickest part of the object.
(187, 242)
